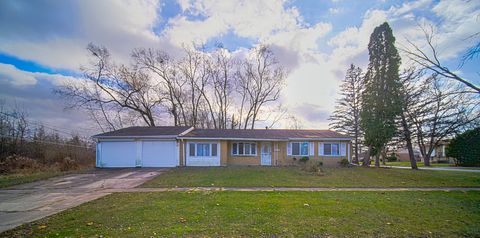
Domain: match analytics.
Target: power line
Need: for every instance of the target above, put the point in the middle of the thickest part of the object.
(69, 133)
(48, 142)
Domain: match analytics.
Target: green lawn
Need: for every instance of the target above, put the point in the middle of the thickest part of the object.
(266, 214)
(14, 179)
(294, 177)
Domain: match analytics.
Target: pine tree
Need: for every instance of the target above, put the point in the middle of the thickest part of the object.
(380, 101)
(346, 116)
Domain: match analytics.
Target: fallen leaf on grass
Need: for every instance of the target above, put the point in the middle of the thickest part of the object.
(89, 223)
(42, 226)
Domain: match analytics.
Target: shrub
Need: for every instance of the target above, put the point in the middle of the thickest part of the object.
(465, 148)
(15, 163)
(304, 159)
(344, 163)
(313, 167)
(68, 164)
(391, 158)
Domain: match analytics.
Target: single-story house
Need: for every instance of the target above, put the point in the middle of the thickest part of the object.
(171, 146)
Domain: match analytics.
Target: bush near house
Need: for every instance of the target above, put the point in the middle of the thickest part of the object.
(465, 148)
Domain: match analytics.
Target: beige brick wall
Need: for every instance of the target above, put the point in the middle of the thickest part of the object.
(240, 159)
(329, 161)
(279, 155)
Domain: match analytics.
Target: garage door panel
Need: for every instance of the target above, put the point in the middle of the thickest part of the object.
(159, 154)
(118, 154)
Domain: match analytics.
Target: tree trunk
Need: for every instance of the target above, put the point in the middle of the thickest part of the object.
(355, 159)
(426, 160)
(384, 156)
(366, 159)
(377, 160)
(408, 139)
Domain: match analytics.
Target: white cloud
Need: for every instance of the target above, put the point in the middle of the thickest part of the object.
(119, 25)
(11, 74)
(20, 78)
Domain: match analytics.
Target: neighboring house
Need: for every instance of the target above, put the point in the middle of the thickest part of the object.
(439, 153)
(402, 154)
(168, 146)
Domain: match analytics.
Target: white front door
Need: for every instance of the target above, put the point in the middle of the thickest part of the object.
(266, 153)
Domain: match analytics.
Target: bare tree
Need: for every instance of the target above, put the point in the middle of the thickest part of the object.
(430, 58)
(221, 70)
(412, 90)
(442, 110)
(346, 116)
(261, 80)
(107, 84)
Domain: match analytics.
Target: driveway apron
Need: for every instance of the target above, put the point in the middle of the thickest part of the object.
(29, 202)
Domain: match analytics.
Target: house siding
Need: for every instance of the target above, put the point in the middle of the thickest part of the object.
(328, 161)
(241, 159)
(279, 154)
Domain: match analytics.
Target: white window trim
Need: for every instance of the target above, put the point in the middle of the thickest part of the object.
(339, 149)
(299, 148)
(244, 142)
(210, 149)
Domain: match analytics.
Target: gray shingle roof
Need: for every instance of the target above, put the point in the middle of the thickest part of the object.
(176, 131)
(278, 134)
(142, 131)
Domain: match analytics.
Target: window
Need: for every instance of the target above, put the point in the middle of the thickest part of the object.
(244, 148)
(300, 148)
(331, 149)
(203, 149)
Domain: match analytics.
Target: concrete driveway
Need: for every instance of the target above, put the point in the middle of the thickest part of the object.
(28, 202)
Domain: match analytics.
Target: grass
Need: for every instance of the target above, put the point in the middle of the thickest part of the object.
(294, 177)
(19, 178)
(266, 214)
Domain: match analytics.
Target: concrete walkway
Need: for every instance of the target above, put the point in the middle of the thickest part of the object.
(458, 169)
(29, 202)
(286, 189)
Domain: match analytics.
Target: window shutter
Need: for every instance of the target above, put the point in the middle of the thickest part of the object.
(320, 148)
(343, 149)
(289, 148)
(214, 149)
(191, 147)
(312, 149)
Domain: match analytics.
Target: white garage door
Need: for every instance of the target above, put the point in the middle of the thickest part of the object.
(159, 154)
(117, 154)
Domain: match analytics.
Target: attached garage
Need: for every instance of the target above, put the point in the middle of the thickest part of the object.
(139, 147)
(139, 153)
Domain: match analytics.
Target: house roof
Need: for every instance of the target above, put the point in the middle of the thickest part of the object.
(142, 131)
(249, 134)
(271, 134)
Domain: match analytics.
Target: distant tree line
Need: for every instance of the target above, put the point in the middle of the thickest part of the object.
(201, 89)
(27, 146)
(420, 106)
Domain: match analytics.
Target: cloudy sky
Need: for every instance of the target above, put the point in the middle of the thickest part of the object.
(42, 43)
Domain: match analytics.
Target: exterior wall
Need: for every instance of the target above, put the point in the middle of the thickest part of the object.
(279, 154)
(181, 154)
(241, 159)
(329, 161)
(224, 153)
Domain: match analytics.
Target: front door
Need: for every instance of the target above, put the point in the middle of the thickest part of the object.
(266, 153)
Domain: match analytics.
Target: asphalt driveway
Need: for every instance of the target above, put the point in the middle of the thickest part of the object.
(28, 202)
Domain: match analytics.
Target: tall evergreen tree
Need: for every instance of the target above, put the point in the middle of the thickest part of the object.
(381, 103)
(346, 116)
